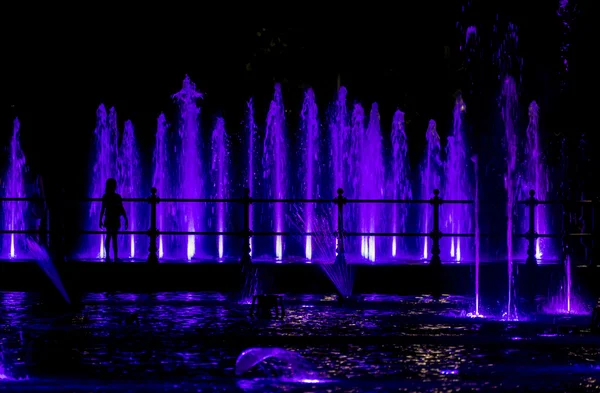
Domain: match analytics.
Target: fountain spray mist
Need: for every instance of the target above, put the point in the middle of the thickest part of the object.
(130, 180)
(159, 179)
(509, 109)
(430, 180)
(310, 131)
(14, 188)
(251, 129)
(220, 173)
(275, 163)
(190, 162)
(477, 234)
(400, 180)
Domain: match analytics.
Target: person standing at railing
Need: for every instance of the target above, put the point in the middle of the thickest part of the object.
(112, 210)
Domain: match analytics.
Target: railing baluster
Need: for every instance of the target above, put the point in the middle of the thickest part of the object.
(153, 232)
(436, 234)
(531, 234)
(247, 231)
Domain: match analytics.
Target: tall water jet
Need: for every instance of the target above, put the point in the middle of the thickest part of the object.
(371, 183)
(220, 175)
(457, 218)
(431, 171)
(535, 178)
(105, 165)
(130, 180)
(310, 132)
(251, 176)
(356, 137)
(477, 233)
(275, 164)
(190, 162)
(509, 106)
(159, 179)
(400, 179)
(15, 188)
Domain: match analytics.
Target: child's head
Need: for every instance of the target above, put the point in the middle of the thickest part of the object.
(111, 186)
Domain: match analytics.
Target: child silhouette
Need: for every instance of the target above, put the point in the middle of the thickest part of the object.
(112, 210)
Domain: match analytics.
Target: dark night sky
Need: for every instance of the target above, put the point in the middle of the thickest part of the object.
(56, 71)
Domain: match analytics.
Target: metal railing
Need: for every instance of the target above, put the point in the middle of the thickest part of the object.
(340, 233)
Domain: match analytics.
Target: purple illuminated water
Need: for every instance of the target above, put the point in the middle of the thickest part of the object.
(251, 174)
(275, 164)
(456, 217)
(160, 178)
(372, 180)
(509, 106)
(431, 173)
(400, 181)
(190, 164)
(220, 175)
(105, 165)
(310, 132)
(535, 177)
(130, 184)
(477, 233)
(13, 211)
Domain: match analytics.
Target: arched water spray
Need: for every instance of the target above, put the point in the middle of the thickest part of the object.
(310, 132)
(509, 103)
(130, 181)
(190, 162)
(220, 174)
(371, 183)
(160, 180)
(275, 164)
(456, 186)
(252, 136)
(15, 188)
(431, 171)
(401, 188)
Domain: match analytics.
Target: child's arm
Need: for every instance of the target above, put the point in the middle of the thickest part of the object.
(102, 211)
(124, 214)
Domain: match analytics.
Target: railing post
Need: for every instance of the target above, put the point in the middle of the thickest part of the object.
(531, 235)
(435, 234)
(153, 232)
(247, 231)
(340, 201)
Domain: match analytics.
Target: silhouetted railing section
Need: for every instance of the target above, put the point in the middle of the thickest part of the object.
(340, 233)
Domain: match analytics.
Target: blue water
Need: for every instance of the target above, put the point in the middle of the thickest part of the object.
(190, 342)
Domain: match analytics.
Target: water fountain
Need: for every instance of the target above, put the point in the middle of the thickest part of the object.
(190, 163)
(509, 107)
(251, 174)
(220, 175)
(310, 132)
(474, 158)
(456, 217)
(431, 173)
(275, 165)
(159, 179)
(130, 184)
(400, 181)
(13, 211)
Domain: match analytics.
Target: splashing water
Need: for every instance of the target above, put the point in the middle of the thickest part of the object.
(220, 173)
(159, 179)
(457, 218)
(299, 368)
(191, 171)
(130, 180)
(15, 188)
(431, 171)
(310, 130)
(44, 261)
(371, 183)
(509, 108)
(275, 163)
(105, 166)
(400, 180)
(251, 129)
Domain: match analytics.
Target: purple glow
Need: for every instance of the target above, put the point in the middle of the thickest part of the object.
(400, 180)
(372, 177)
(105, 166)
(310, 131)
(191, 168)
(251, 129)
(509, 107)
(160, 179)
(456, 217)
(275, 164)
(477, 234)
(15, 188)
(220, 172)
(130, 182)
(430, 180)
